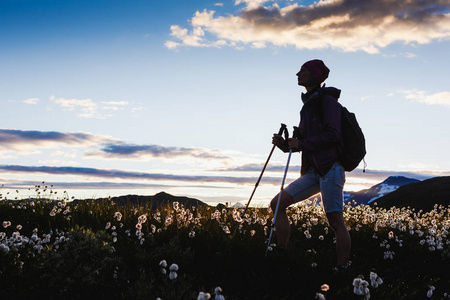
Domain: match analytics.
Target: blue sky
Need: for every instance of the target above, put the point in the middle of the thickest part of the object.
(103, 98)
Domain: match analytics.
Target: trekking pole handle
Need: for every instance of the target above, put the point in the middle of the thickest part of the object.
(282, 128)
(286, 133)
(296, 133)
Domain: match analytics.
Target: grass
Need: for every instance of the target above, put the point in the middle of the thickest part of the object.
(94, 248)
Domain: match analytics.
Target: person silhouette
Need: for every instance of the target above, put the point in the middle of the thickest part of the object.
(318, 141)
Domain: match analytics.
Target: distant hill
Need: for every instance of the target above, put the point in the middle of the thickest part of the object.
(419, 195)
(388, 186)
(158, 200)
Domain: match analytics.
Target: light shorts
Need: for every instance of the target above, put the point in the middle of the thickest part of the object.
(331, 186)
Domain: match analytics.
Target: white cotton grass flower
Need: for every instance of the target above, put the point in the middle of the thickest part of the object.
(173, 270)
(142, 219)
(226, 230)
(204, 296)
(320, 296)
(375, 281)
(360, 287)
(173, 275)
(389, 255)
(218, 292)
(6, 224)
(4, 247)
(118, 216)
(173, 267)
(325, 288)
(163, 264)
(430, 291)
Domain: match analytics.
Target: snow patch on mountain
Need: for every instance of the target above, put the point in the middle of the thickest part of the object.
(383, 189)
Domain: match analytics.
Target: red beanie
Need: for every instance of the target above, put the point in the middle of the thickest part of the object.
(317, 69)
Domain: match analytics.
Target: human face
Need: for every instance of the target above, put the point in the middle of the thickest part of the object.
(304, 77)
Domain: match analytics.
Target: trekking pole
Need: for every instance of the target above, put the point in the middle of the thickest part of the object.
(281, 189)
(280, 132)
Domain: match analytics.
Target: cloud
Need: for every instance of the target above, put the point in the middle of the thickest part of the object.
(442, 98)
(251, 3)
(14, 184)
(130, 175)
(122, 150)
(258, 168)
(114, 105)
(347, 25)
(21, 140)
(88, 108)
(24, 141)
(31, 101)
(371, 177)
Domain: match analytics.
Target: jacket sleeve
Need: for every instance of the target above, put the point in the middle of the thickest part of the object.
(330, 129)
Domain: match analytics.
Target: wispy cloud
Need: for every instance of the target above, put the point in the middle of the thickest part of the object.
(122, 150)
(99, 146)
(31, 101)
(442, 98)
(129, 175)
(254, 167)
(348, 25)
(114, 105)
(21, 140)
(13, 184)
(137, 179)
(88, 108)
(417, 173)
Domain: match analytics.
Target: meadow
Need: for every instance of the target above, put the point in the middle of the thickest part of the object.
(51, 247)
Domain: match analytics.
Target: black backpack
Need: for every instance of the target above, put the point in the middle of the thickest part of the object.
(352, 142)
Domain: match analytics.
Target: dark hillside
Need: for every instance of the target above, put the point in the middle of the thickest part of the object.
(419, 195)
(158, 200)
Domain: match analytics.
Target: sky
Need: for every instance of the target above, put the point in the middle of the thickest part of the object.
(107, 97)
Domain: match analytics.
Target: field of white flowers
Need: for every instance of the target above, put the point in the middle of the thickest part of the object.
(57, 248)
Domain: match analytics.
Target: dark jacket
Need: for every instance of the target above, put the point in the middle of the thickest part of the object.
(320, 128)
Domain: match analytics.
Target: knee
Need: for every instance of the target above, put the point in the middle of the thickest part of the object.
(285, 201)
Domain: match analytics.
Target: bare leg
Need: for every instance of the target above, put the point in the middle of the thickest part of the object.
(343, 241)
(282, 222)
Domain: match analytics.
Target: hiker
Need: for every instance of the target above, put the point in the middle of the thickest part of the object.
(318, 133)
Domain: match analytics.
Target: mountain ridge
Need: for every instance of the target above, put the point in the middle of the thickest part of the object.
(422, 195)
(367, 196)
